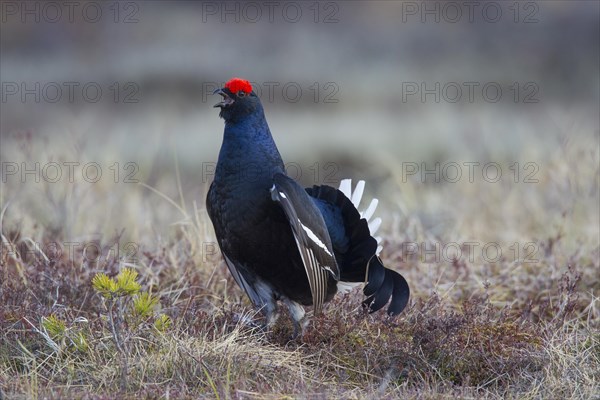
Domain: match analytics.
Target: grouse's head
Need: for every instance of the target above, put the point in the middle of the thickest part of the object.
(239, 100)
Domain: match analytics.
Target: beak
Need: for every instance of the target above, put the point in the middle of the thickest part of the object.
(226, 99)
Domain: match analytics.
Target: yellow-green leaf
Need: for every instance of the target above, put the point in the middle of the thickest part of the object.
(163, 322)
(126, 282)
(55, 327)
(105, 285)
(144, 304)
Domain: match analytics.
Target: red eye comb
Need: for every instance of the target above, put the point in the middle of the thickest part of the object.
(237, 84)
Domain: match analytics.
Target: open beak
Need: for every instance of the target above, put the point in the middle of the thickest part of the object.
(226, 99)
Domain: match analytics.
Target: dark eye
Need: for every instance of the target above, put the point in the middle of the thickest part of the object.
(241, 94)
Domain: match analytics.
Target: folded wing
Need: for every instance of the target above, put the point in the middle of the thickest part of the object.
(310, 233)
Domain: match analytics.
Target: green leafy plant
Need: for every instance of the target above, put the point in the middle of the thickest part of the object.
(124, 285)
(144, 305)
(127, 307)
(54, 326)
(60, 337)
(162, 322)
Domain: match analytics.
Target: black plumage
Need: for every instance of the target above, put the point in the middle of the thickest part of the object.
(280, 241)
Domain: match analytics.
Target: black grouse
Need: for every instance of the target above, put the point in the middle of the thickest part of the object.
(281, 241)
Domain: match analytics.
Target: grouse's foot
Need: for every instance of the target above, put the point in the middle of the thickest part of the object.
(300, 327)
(299, 318)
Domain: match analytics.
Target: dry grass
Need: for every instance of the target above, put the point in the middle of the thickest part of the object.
(473, 329)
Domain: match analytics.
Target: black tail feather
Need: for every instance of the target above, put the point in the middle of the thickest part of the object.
(400, 295)
(361, 247)
(383, 294)
(382, 284)
(375, 278)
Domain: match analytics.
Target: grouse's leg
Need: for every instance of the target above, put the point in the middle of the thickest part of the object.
(269, 309)
(299, 317)
(272, 318)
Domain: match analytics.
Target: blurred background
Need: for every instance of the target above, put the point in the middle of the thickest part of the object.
(112, 101)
